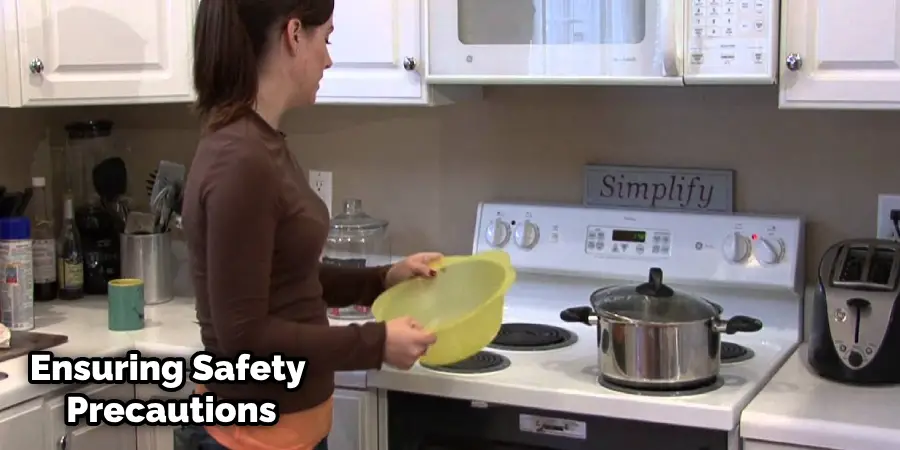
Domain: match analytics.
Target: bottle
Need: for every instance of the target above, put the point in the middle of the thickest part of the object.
(71, 256)
(16, 286)
(43, 243)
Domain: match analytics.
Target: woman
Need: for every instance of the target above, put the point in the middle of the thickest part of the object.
(255, 229)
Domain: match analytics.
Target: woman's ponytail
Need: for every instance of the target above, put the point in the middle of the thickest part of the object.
(225, 63)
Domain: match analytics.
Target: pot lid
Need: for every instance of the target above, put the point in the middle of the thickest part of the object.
(652, 301)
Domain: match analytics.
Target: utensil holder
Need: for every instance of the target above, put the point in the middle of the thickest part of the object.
(148, 257)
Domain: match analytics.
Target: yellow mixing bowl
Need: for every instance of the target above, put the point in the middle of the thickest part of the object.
(462, 305)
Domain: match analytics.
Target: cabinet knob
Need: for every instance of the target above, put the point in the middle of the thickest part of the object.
(36, 66)
(409, 63)
(793, 62)
(63, 443)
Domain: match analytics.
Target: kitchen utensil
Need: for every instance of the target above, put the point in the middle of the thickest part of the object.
(162, 208)
(167, 174)
(652, 337)
(140, 223)
(855, 331)
(462, 305)
(148, 257)
(356, 240)
(125, 310)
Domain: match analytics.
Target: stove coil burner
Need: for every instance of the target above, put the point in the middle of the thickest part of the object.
(734, 353)
(481, 362)
(532, 337)
(681, 391)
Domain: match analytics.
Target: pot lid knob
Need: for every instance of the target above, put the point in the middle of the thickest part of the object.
(654, 286)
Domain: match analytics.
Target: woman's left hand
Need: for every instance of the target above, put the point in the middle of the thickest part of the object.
(416, 265)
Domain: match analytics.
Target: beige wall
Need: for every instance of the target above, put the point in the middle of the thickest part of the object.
(426, 169)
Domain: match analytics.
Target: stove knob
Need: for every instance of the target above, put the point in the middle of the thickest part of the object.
(735, 247)
(527, 235)
(497, 233)
(768, 251)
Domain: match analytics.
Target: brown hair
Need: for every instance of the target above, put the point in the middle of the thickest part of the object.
(230, 39)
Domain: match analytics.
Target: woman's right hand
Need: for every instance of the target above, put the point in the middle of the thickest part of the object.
(406, 342)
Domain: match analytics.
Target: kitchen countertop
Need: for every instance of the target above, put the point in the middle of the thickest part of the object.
(800, 408)
(169, 331)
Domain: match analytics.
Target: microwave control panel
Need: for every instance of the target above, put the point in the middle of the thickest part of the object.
(731, 39)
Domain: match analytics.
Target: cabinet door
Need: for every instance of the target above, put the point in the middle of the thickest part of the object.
(848, 54)
(104, 51)
(355, 424)
(85, 437)
(22, 426)
(372, 43)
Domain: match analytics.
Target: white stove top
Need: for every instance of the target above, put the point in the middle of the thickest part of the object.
(565, 379)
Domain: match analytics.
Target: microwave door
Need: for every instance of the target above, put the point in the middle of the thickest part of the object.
(552, 42)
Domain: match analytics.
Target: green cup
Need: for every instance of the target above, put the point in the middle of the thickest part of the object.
(126, 305)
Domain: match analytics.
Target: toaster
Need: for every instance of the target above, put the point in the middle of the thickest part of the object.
(855, 329)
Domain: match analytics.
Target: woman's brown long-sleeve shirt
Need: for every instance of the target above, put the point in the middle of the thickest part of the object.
(255, 233)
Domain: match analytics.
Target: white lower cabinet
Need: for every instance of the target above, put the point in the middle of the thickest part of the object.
(22, 426)
(355, 424)
(762, 445)
(85, 437)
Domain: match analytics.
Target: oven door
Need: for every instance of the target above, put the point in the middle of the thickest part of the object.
(555, 41)
(421, 422)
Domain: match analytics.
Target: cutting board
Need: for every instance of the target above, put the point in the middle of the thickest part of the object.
(23, 342)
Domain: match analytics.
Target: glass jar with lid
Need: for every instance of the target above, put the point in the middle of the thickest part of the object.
(356, 239)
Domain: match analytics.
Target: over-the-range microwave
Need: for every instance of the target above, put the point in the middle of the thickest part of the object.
(639, 42)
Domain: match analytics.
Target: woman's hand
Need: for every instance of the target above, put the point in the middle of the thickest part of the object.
(416, 265)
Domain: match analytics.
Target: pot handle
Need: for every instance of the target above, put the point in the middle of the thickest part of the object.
(739, 324)
(579, 314)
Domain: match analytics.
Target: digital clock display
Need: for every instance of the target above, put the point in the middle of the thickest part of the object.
(629, 236)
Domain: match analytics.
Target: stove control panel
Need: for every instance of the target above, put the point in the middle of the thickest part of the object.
(754, 250)
(628, 242)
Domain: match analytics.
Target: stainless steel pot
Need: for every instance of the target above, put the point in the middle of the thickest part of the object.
(651, 337)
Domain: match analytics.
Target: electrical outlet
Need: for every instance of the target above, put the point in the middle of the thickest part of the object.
(320, 182)
(886, 203)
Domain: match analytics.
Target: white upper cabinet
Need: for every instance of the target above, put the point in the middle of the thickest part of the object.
(840, 54)
(378, 59)
(104, 51)
(8, 78)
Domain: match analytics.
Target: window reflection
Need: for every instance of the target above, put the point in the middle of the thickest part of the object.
(552, 22)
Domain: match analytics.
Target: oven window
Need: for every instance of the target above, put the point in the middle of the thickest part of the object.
(552, 22)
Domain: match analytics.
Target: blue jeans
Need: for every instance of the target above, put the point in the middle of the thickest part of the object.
(192, 437)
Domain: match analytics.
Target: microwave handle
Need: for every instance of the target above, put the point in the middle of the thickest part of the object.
(669, 20)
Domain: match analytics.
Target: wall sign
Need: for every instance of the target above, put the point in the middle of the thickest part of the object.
(668, 188)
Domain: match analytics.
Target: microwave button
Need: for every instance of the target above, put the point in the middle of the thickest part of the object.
(698, 22)
(699, 11)
(696, 58)
(713, 10)
(698, 31)
(713, 21)
(760, 5)
(729, 31)
(757, 57)
(758, 25)
(713, 32)
(745, 5)
(745, 26)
